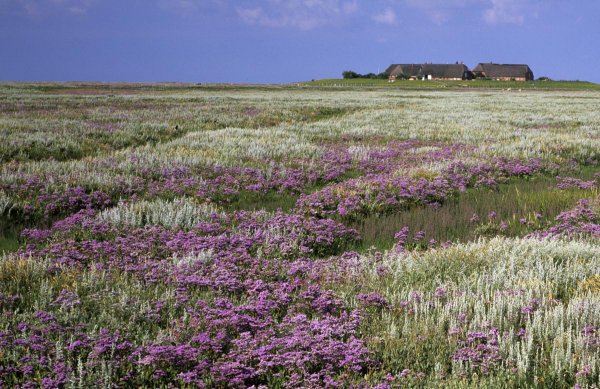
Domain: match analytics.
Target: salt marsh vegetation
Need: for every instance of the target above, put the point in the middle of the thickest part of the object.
(298, 237)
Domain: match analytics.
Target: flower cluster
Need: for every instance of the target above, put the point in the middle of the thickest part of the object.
(583, 220)
(386, 193)
(571, 182)
(479, 351)
(269, 319)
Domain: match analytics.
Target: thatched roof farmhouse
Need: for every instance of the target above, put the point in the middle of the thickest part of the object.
(458, 71)
(429, 71)
(504, 72)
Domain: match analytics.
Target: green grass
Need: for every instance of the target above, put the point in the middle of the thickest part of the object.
(520, 198)
(10, 230)
(271, 201)
(112, 89)
(8, 245)
(512, 201)
(463, 84)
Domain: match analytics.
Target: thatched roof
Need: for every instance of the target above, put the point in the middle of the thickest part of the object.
(444, 71)
(423, 70)
(496, 70)
(390, 68)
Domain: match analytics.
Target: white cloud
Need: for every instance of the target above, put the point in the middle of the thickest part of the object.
(439, 17)
(77, 7)
(387, 16)
(180, 5)
(439, 11)
(350, 7)
(494, 11)
(433, 4)
(250, 15)
(505, 11)
(38, 8)
(300, 14)
(185, 6)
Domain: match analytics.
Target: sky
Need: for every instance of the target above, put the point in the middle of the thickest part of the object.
(276, 41)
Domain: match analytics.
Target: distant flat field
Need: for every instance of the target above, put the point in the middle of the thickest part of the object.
(71, 121)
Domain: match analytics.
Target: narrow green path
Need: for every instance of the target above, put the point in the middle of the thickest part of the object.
(537, 200)
(9, 238)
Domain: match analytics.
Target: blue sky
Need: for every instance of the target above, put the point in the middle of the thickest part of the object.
(273, 41)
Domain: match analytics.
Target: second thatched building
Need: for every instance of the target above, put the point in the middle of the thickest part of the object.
(503, 72)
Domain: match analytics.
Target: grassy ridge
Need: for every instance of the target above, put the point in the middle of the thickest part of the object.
(463, 84)
(115, 89)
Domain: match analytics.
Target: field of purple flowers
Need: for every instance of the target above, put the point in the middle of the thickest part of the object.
(265, 238)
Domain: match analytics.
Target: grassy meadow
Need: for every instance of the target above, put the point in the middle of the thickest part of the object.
(335, 233)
